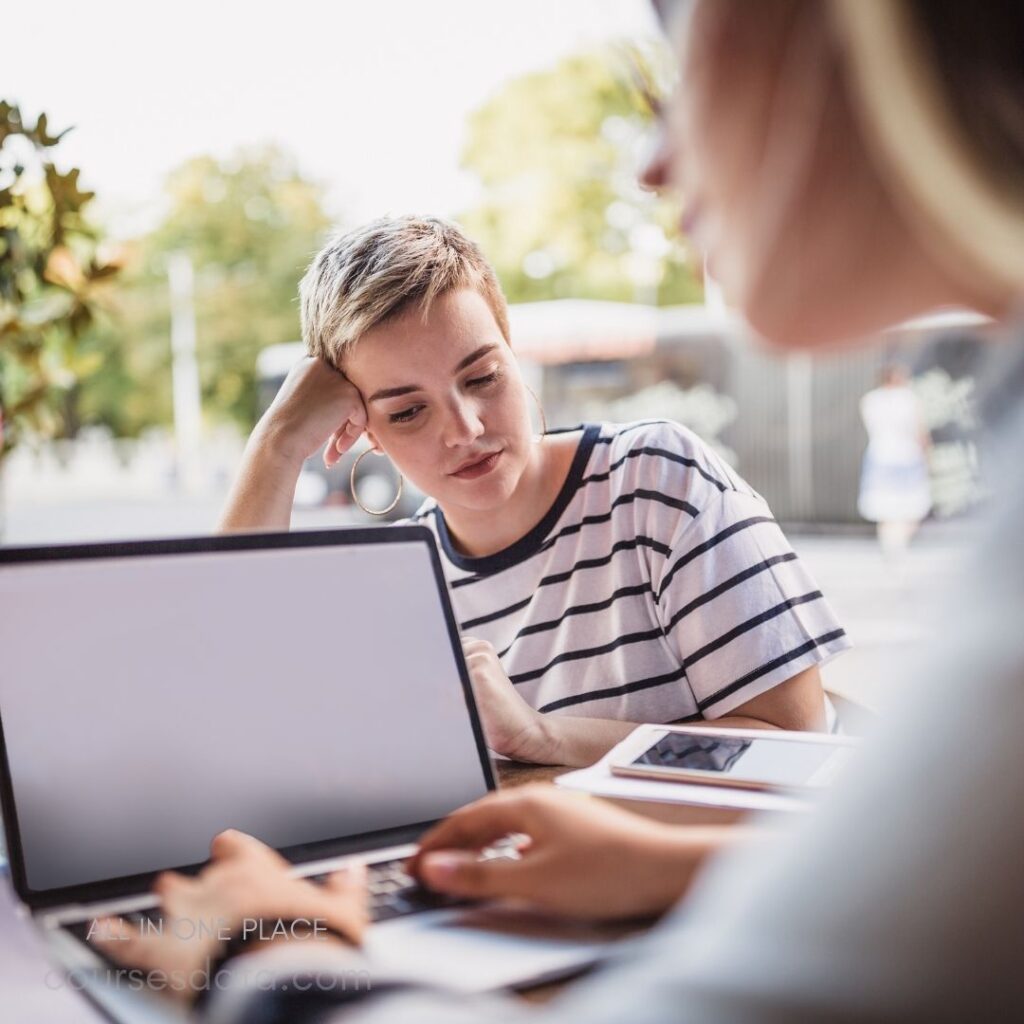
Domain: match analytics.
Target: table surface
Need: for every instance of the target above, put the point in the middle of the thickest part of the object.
(512, 773)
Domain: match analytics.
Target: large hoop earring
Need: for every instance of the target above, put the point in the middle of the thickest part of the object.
(540, 409)
(355, 494)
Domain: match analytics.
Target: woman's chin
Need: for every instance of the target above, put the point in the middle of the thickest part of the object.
(485, 494)
(809, 325)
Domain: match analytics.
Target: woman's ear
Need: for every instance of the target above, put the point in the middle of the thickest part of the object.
(374, 443)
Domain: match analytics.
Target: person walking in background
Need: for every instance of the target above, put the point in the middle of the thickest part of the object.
(894, 489)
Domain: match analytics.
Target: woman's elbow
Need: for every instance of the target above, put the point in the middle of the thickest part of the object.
(797, 704)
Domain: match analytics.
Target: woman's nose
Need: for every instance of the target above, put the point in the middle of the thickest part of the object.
(463, 424)
(656, 168)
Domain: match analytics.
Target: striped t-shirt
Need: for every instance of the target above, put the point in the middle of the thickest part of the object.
(657, 586)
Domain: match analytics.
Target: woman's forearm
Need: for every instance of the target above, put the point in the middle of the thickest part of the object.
(578, 742)
(740, 722)
(263, 492)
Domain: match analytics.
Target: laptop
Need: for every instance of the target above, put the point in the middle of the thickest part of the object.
(307, 688)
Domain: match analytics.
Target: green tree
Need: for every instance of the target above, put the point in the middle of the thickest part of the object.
(556, 153)
(50, 280)
(249, 225)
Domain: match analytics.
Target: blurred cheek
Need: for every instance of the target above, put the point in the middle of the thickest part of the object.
(701, 172)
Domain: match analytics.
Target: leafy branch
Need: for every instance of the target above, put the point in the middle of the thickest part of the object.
(49, 277)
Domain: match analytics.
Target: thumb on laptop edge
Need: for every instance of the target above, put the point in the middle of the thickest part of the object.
(462, 873)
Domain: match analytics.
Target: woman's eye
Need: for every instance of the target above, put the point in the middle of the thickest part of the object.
(480, 382)
(405, 415)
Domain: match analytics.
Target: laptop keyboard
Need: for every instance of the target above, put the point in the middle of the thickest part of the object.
(392, 892)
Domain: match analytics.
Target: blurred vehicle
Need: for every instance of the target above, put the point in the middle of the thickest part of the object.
(318, 486)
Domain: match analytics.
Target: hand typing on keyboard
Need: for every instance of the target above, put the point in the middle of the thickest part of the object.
(246, 884)
(583, 857)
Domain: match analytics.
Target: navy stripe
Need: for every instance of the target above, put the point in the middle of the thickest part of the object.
(733, 581)
(662, 499)
(745, 627)
(654, 634)
(593, 563)
(631, 591)
(636, 426)
(604, 517)
(700, 549)
(673, 677)
(577, 609)
(783, 659)
(587, 652)
(599, 517)
(661, 453)
(561, 577)
(626, 545)
(494, 616)
(733, 485)
(615, 691)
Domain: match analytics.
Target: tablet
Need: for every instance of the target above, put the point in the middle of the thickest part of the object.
(741, 758)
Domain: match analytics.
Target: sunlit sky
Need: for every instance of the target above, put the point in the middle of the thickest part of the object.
(371, 97)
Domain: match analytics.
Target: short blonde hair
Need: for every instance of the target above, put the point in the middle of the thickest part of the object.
(373, 273)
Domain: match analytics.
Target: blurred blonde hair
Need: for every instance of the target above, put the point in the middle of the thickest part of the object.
(376, 272)
(940, 91)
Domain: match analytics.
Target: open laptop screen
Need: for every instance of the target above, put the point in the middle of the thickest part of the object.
(297, 688)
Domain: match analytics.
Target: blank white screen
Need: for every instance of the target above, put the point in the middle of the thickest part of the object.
(298, 694)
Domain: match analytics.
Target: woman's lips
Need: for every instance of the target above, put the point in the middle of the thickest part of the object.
(478, 468)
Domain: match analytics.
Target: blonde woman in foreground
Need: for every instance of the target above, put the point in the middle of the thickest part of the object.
(846, 164)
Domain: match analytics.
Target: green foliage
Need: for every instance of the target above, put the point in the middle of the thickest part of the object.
(556, 153)
(50, 280)
(249, 225)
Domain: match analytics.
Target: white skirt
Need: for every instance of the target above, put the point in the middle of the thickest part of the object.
(894, 492)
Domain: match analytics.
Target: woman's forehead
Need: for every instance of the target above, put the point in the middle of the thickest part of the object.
(456, 326)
